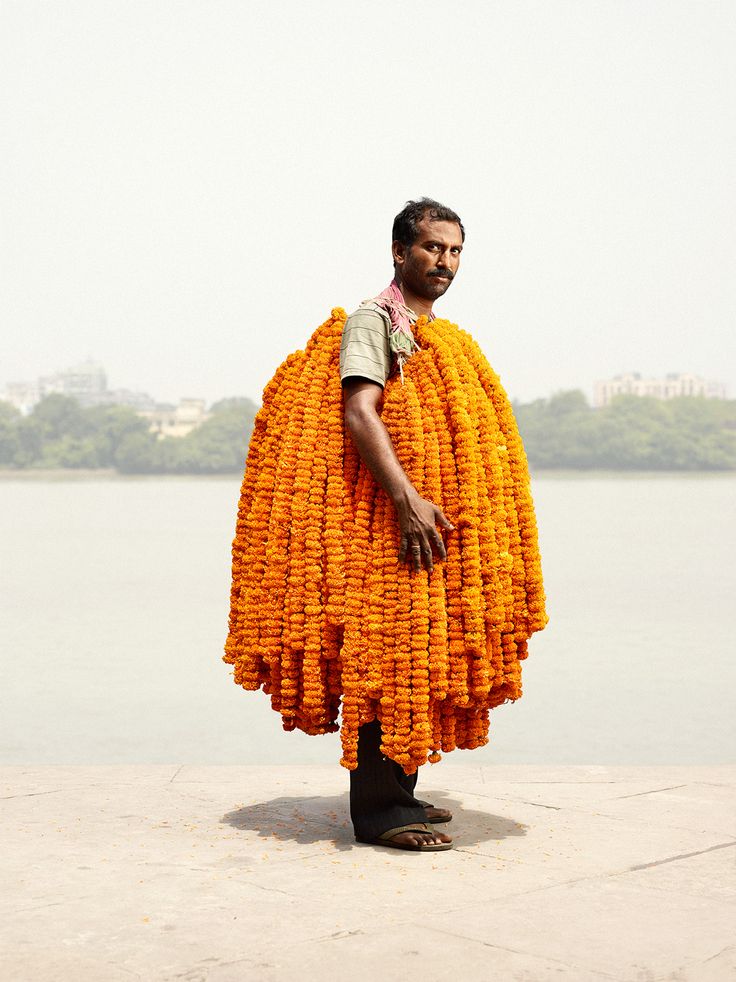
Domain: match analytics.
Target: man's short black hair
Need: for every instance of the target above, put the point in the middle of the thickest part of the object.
(406, 223)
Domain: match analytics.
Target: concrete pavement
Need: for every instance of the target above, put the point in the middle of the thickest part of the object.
(222, 874)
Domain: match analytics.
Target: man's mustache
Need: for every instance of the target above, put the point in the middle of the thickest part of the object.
(445, 273)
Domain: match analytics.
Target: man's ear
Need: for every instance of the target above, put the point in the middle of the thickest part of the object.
(398, 252)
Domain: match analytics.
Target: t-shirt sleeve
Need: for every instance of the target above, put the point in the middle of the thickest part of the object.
(365, 350)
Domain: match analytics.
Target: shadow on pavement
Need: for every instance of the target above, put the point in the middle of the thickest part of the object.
(326, 818)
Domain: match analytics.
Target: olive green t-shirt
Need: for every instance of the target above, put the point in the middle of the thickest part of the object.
(365, 351)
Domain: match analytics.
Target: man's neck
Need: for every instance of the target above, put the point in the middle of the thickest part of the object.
(418, 304)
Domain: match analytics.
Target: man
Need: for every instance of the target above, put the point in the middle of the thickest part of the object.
(385, 563)
(427, 242)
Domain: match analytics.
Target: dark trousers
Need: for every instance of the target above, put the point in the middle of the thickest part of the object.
(381, 794)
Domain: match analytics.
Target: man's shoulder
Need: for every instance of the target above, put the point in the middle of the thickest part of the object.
(364, 350)
(369, 311)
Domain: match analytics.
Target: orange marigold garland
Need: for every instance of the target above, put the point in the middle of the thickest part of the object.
(322, 615)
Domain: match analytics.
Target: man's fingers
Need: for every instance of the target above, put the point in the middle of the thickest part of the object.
(423, 552)
(410, 549)
(428, 557)
(443, 520)
(442, 552)
(418, 546)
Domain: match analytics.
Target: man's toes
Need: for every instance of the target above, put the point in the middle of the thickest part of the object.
(434, 838)
(420, 838)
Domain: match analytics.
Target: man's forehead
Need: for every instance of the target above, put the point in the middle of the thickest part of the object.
(439, 231)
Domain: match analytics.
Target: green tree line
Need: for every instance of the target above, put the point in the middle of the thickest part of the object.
(632, 433)
(60, 433)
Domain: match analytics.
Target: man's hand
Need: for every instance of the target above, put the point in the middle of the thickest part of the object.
(418, 521)
(418, 518)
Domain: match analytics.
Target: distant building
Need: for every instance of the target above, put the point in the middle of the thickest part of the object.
(22, 395)
(87, 383)
(140, 401)
(672, 385)
(176, 420)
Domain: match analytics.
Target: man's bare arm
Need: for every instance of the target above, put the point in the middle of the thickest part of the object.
(418, 518)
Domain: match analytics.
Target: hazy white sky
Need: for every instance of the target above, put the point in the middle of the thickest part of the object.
(188, 187)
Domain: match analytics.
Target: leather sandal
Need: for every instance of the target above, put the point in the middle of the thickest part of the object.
(384, 839)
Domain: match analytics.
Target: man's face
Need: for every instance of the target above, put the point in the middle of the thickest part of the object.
(428, 266)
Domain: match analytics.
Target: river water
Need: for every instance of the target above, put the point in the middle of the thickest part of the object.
(115, 601)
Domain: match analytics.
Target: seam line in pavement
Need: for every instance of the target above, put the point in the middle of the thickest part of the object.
(29, 794)
(684, 855)
(518, 951)
(537, 804)
(638, 794)
(729, 947)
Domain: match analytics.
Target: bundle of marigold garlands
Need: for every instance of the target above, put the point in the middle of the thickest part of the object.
(323, 617)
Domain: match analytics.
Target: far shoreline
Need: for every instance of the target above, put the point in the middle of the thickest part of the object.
(96, 474)
(62, 474)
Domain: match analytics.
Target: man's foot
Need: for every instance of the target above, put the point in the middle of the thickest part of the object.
(436, 816)
(418, 837)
